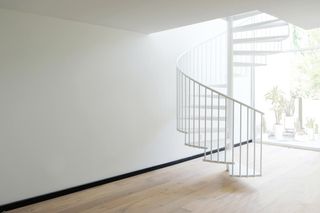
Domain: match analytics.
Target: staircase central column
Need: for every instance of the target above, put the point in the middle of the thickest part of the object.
(229, 80)
(230, 57)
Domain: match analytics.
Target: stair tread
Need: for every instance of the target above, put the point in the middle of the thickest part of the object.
(217, 161)
(245, 15)
(260, 39)
(208, 95)
(244, 64)
(221, 118)
(260, 25)
(244, 172)
(255, 52)
(208, 145)
(222, 107)
(195, 146)
(219, 157)
(207, 141)
(218, 85)
(202, 130)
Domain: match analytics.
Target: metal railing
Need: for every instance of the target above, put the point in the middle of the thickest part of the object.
(203, 118)
(229, 131)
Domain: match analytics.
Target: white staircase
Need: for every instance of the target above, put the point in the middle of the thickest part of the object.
(229, 131)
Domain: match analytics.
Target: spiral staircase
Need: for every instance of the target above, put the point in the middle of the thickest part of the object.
(228, 130)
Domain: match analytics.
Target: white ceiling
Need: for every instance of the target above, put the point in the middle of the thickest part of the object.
(149, 16)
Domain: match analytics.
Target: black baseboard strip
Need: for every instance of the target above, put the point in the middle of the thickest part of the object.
(40, 198)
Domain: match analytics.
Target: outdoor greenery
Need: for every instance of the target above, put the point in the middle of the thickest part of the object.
(307, 77)
(310, 123)
(310, 73)
(303, 83)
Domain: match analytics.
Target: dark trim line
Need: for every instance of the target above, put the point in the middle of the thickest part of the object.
(40, 198)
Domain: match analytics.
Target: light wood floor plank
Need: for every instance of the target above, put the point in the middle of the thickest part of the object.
(290, 183)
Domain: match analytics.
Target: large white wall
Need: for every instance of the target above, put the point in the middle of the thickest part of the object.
(80, 103)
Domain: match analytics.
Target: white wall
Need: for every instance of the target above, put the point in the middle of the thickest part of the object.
(80, 103)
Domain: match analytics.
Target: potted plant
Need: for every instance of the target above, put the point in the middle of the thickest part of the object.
(310, 128)
(289, 110)
(278, 105)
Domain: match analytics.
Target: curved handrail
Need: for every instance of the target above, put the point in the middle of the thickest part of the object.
(221, 94)
(205, 86)
(196, 45)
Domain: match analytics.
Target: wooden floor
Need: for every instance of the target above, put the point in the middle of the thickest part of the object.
(290, 183)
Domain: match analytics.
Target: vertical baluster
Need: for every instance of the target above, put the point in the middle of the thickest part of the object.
(192, 63)
(195, 64)
(218, 128)
(254, 142)
(215, 65)
(240, 139)
(247, 141)
(225, 130)
(211, 123)
(232, 134)
(189, 117)
(181, 99)
(193, 114)
(206, 62)
(201, 64)
(182, 102)
(189, 63)
(199, 119)
(261, 145)
(178, 103)
(205, 119)
(185, 108)
(210, 60)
